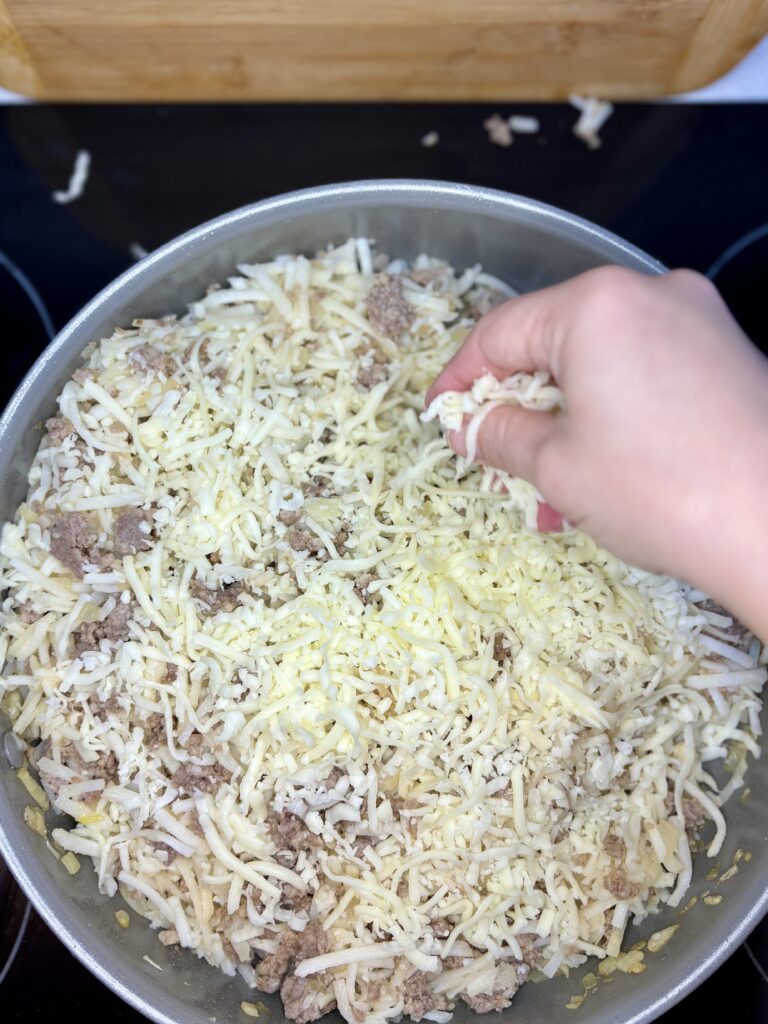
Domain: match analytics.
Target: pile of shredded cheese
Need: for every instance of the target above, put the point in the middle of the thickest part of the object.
(321, 704)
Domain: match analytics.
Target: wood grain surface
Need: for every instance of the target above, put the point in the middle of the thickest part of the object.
(369, 49)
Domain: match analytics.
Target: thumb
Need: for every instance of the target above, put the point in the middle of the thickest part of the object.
(512, 439)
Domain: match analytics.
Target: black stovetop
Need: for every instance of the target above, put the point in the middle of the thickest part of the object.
(686, 183)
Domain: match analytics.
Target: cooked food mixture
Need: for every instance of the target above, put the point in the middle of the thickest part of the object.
(318, 699)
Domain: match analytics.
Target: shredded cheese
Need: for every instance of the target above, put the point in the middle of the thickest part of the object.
(593, 113)
(315, 692)
(77, 180)
(531, 391)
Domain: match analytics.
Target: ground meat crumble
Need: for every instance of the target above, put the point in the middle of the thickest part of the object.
(27, 614)
(167, 854)
(114, 628)
(290, 835)
(225, 599)
(57, 428)
(374, 369)
(289, 517)
(614, 846)
(318, 487)
(74, 541)
(362, 583)
(204, 778)
(301, 540)
(620, 886)
(300, 1002)
(500, 651)
(104, 766)
(441, 928)
(155, 360)
(292, 947)
(130, 539)
(533, 954)
(694, 815)
(418, 997)
(386, 308)
(509, 978)
(154, 731)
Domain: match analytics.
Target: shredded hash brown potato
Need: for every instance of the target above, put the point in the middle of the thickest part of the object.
(321, 703)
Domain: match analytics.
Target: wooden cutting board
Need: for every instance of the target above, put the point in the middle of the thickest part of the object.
(370, 49)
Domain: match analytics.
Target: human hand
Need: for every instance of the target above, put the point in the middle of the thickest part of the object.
(661, 450)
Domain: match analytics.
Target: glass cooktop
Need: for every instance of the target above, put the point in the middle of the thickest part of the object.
(686, 183)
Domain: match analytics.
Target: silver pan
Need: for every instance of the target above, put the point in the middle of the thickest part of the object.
(525, 243)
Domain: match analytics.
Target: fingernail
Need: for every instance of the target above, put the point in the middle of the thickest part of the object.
(548, 519)
(457, 439)
(431, 395)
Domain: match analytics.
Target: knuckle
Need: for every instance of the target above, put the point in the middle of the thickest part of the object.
(610, 290)
(692, 281)
(612, 276)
